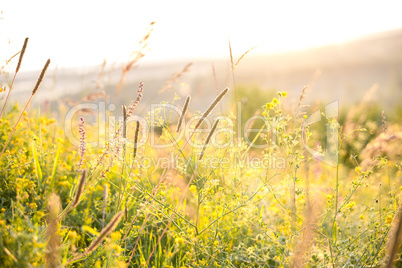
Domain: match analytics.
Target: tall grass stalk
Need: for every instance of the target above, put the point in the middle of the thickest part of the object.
(186, 189)
(394, 239)
(54, 240)
(42, 74)
(15, 74)
(102, 235)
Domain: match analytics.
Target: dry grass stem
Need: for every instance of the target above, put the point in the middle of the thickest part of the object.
(242, 56)
(394, 240)
(208, 139)
(105, 195)
(137, 130)
(16, 71)
(102, 235)
(54, 240)
(136, 56)
(42, 74)
(211, 107)
(183, 113)
(80, 189)
(175, 78)
(21, 55)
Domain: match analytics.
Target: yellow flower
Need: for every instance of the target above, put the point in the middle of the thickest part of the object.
(351, 205)
(72, 234)
(116, 247)
(269, 106)
(216, 243)
(361, 217)
(358, 170)
(275, 101)
(284, 94)
(216, 264)
(193, 189)
(50, 121)
(179, 240)
(389, 219)
(115, 236)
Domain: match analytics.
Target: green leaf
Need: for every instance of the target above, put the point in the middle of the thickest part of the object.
(56, 162)
(37, 165)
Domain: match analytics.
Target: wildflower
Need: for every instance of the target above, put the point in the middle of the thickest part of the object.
(275, 101)
(72, 234)
(269, 106)
(216, 264)
(351, 205)
(361, 217)
(115, 236)
(358, 170)
(116, 248)
(193, 189)
(179, 240)
(83, 146)
(284, 94)
(389, 219)
(98, 264)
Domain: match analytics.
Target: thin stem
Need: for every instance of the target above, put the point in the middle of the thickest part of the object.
(8, 94)
(12, 132)
(336, 190)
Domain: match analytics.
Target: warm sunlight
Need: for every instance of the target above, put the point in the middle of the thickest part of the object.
(200, 134)
(76, 33)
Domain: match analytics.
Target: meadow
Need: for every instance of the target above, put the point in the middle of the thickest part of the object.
(277, 185)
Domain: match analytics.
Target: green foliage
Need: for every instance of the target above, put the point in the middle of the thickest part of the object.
(234, 213)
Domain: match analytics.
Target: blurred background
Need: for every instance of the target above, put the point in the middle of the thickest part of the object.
(101, 51)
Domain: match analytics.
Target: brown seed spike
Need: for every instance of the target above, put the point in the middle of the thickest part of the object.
(137, 129)
(21, 55)
(103, 234)
(124, 121)
(80, 189)
(208, 139)
(211, 107)
(42, 74)
(183, 113)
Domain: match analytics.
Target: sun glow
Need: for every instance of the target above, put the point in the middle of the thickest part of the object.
(77, 33)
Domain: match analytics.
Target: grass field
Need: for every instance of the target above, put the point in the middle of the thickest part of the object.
(276, 185)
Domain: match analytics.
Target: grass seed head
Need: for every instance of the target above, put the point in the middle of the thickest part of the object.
(42, 74)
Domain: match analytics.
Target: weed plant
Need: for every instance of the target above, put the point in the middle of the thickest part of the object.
(222, 203)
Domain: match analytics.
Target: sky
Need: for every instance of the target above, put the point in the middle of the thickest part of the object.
(83, 33)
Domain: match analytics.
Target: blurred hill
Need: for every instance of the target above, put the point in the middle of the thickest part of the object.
(343, 72)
